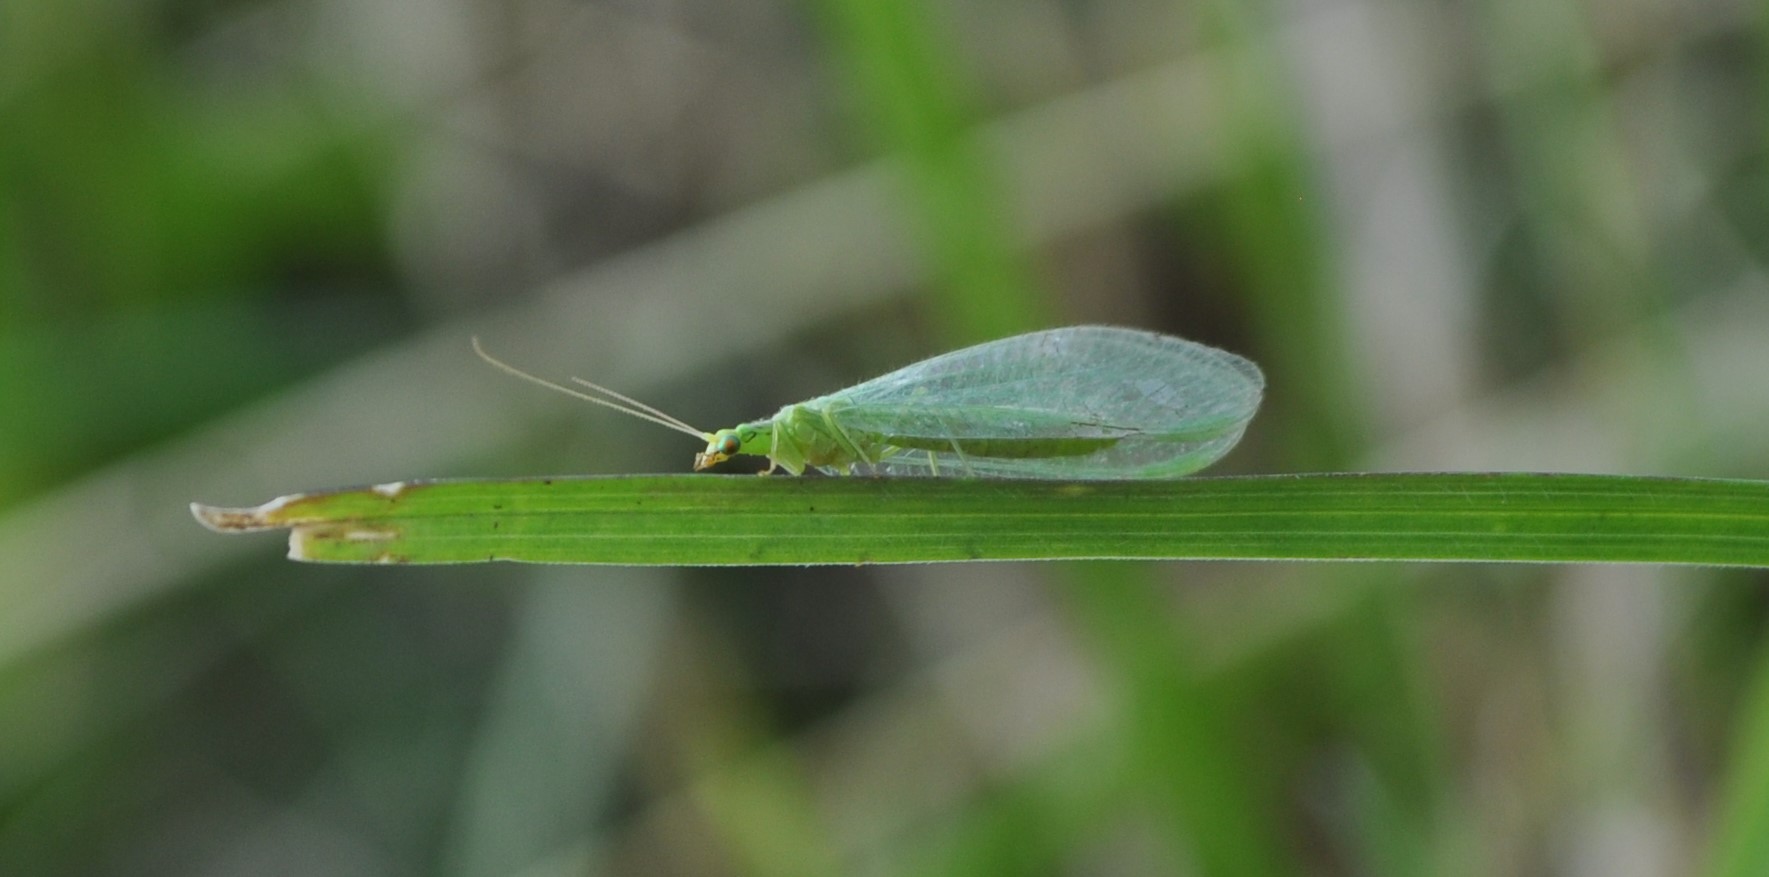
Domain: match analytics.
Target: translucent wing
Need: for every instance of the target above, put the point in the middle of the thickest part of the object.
(1079, 402)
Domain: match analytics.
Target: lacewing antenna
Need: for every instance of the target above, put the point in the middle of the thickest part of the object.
(617, 401)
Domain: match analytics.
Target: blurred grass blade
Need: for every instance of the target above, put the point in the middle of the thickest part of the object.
(1740, 838)
(710, 520)
(909, 72)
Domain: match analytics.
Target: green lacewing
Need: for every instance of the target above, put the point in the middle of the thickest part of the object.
(1084, 402)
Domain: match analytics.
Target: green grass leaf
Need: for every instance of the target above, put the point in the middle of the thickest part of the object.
(686, 520)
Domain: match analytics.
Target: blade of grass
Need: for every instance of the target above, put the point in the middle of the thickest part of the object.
(1372, 673)
(1273, 235)
(1029, 823)
(1180, 734)
(915, 97)
(702, 520)
(1739, 844)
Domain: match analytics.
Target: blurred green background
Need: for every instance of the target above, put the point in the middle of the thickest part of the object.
(243, 244)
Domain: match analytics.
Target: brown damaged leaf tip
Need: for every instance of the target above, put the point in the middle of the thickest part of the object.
(322, 542)
(233, 520)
